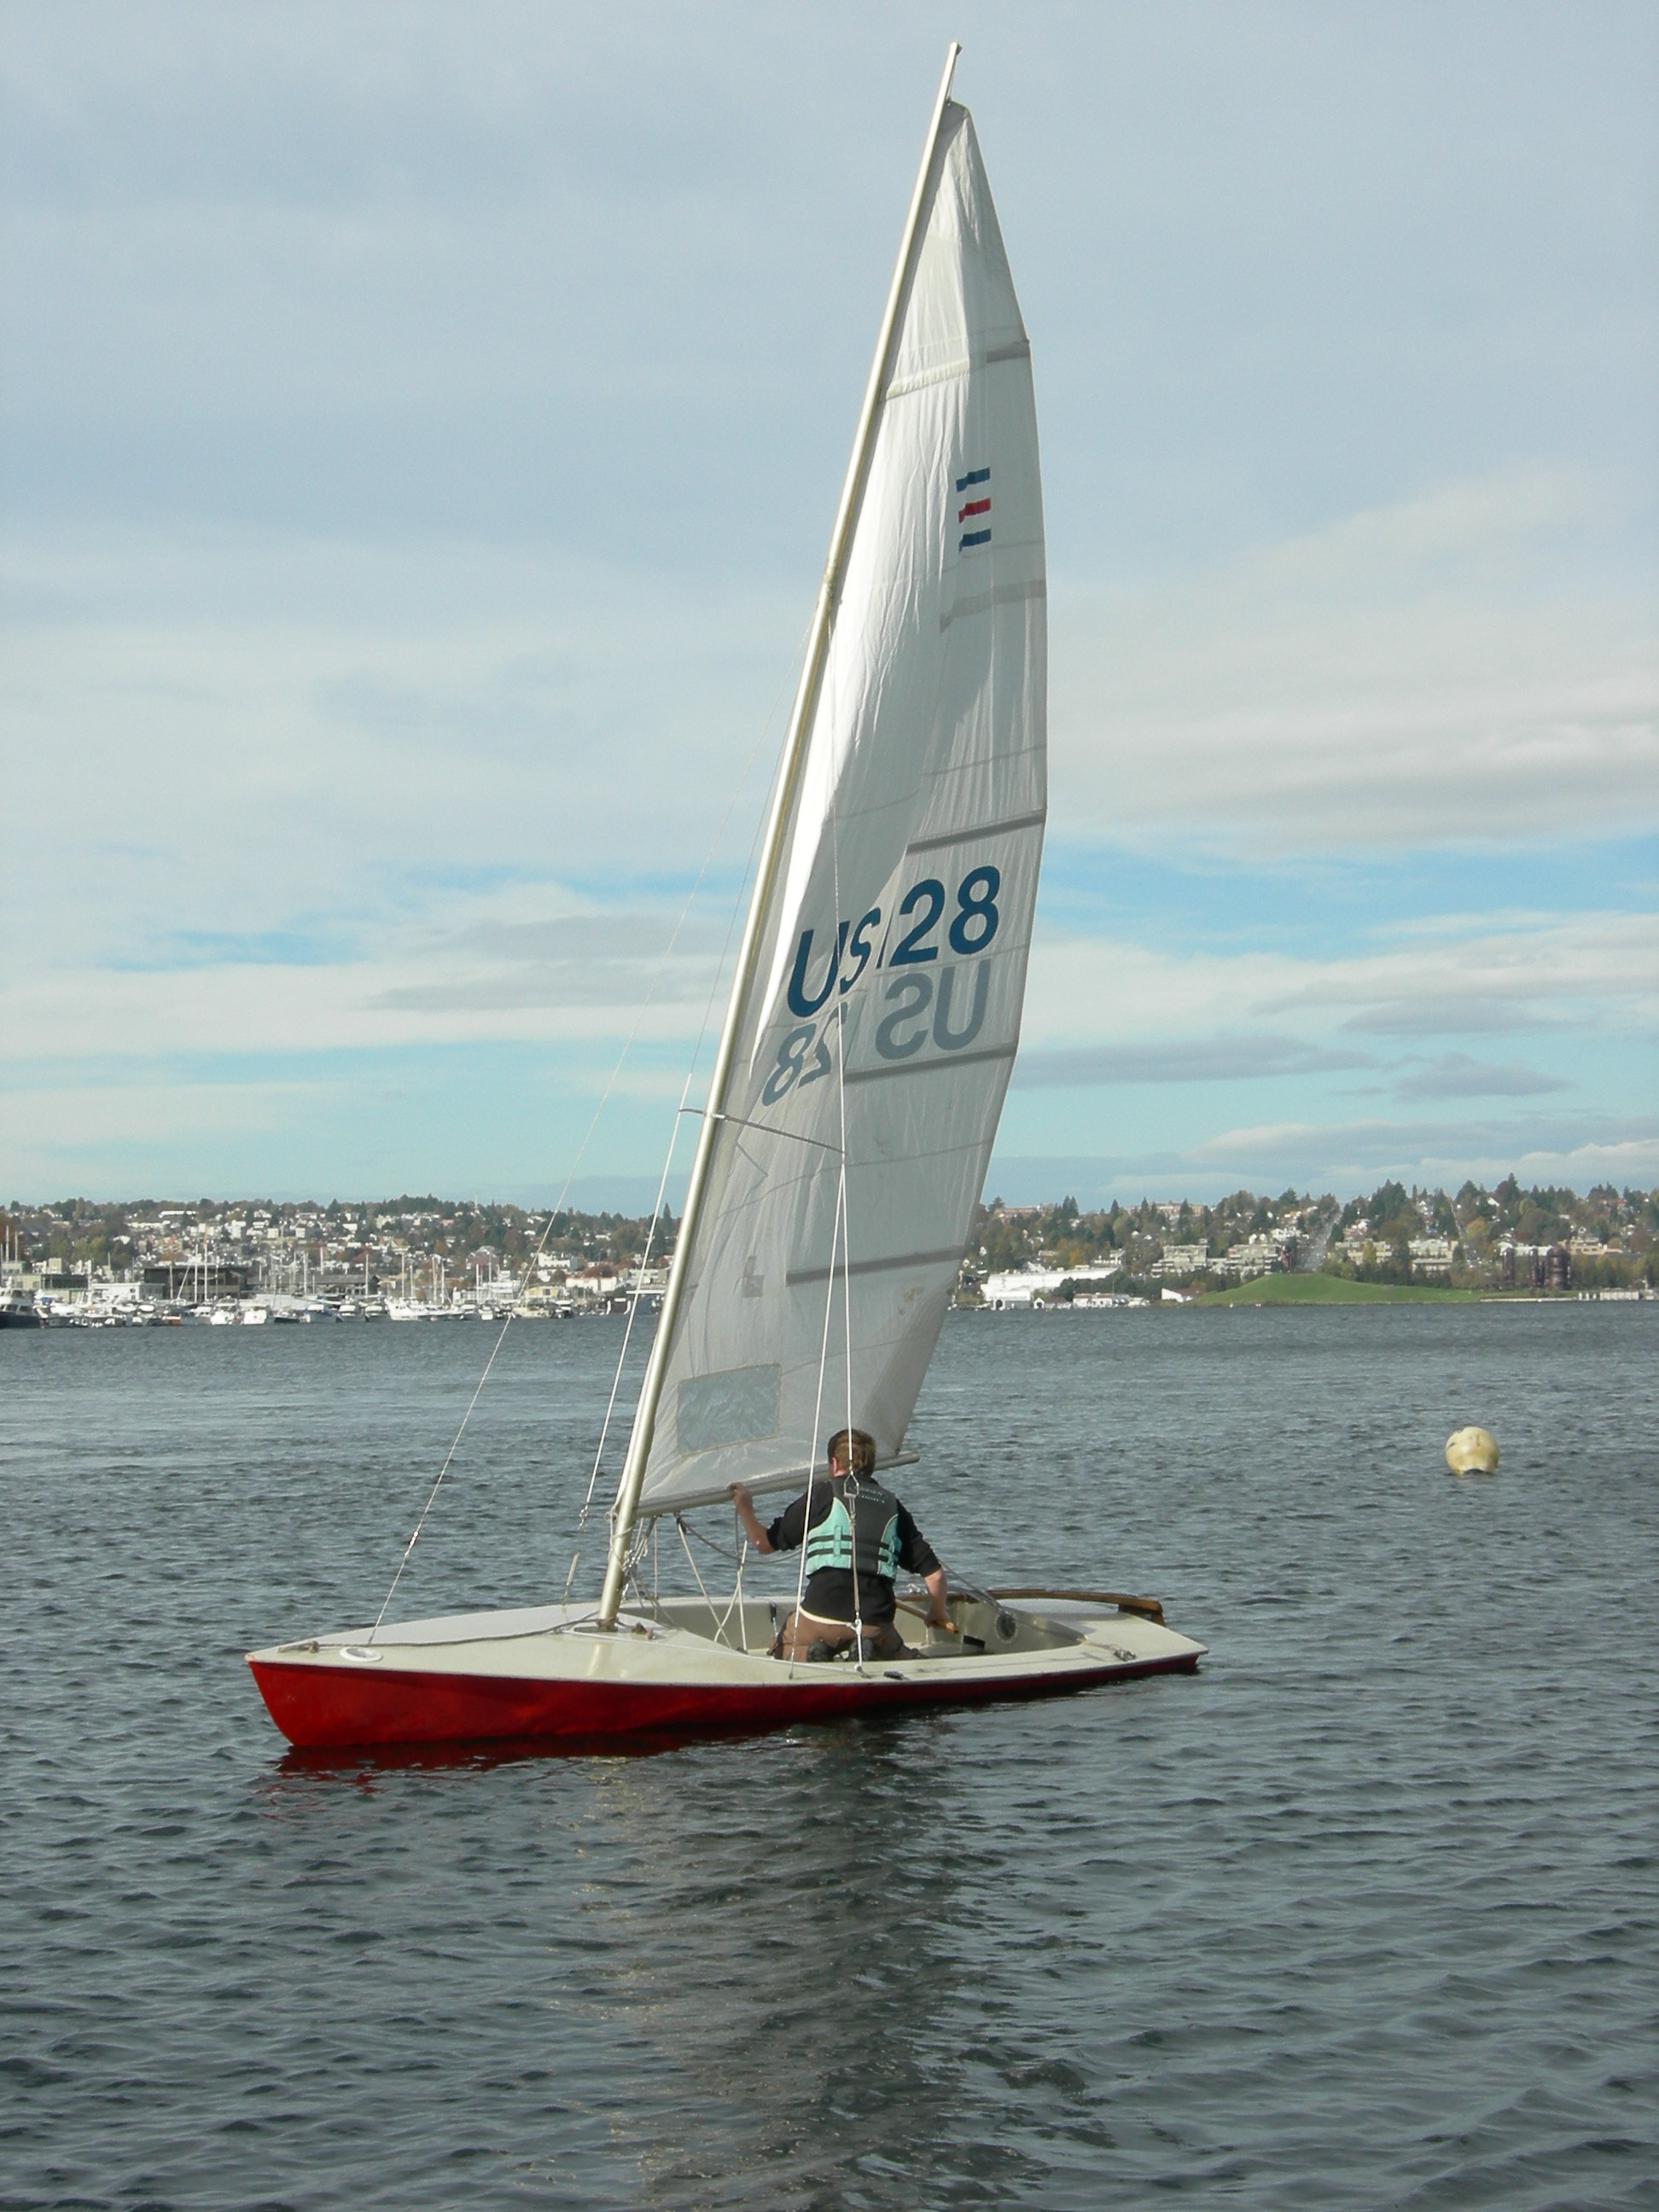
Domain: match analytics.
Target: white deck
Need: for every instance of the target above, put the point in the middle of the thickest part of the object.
(677, 1643)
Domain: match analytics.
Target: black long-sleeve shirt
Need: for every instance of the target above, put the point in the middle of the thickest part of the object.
(829, 1593)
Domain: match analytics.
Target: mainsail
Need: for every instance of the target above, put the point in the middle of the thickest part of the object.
(880, 1010)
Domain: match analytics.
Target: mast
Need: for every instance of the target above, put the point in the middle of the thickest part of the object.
(625, 1511)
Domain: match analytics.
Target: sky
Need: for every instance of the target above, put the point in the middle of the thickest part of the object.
(420, 429)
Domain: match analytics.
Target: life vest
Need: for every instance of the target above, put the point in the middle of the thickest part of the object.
(860, 1533)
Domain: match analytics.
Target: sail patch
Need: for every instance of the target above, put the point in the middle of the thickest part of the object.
(738, 1406)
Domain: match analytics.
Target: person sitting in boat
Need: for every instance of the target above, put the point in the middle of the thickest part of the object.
(859, 1537)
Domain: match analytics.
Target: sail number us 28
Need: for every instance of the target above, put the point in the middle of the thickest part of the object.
(919, 1005)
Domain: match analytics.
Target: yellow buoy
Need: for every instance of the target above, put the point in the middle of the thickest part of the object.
(1472, 1451)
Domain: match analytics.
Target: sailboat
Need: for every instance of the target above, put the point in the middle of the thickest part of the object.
(872, 1024)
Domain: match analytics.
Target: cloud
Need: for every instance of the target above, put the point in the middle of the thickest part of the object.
(1460, 667)
(211, 772)
(1347, 1157)
(418, 474)
(563, 939)
(544, 986)
(1586, 1146)
(218, 948)
(1200, 1024)
(613, 959)
(1451, 1012)
(1457, 1075)
(1379, 1141)
(527, 962)
(1539, 974)
(119, 1130)
(1236, 1058)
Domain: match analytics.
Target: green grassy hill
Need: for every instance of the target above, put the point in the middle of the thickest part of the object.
(1329, 1291)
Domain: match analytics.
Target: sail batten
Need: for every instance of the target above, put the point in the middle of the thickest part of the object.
(879, 1009)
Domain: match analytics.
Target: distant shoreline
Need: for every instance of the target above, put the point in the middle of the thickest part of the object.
(1339, 1291)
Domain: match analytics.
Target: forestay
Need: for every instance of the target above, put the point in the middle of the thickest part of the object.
(897, 931)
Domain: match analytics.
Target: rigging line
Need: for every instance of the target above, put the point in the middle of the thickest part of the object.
(844, 1210)
(818, 1411)
(766, 1128)
(604, 1097)
(680, 1111)
(853, 1484)
(513, 1309)
(738, 1537)
(720, 1636)
(627, 1333)
(442, 1472)
(736, 1606)
(711, 1543)
(703, 1031)
(754, 844)
(635, 1560)
(842, 1197)
(702, 1592)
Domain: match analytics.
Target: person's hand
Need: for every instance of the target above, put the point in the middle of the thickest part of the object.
(942, 1620)
(739, 1496)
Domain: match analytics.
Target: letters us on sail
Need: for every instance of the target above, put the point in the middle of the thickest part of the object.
(886, 1007)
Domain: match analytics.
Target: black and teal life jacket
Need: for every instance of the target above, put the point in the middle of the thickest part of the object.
(859, 1533)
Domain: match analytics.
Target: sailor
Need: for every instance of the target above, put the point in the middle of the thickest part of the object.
(859, 1537)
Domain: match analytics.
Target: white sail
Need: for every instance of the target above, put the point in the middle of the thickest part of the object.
(898, 923)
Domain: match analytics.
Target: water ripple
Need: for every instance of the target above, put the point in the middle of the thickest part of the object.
(1362, 1915)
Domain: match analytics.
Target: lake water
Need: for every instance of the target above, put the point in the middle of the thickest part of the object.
(1365, 1913)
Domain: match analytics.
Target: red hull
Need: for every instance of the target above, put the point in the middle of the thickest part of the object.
(349, 1708)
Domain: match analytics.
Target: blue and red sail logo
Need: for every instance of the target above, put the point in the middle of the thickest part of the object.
(972, 508)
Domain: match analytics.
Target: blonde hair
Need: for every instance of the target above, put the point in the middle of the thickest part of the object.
(863, 1452)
